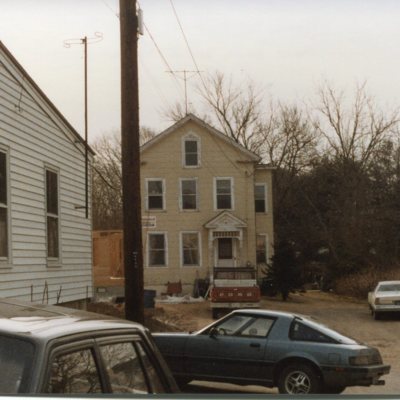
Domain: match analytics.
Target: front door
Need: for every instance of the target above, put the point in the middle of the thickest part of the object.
(226, 253)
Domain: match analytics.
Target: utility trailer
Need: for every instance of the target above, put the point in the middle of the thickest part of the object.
(233, 288)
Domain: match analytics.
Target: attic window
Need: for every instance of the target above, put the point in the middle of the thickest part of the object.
(191, 151)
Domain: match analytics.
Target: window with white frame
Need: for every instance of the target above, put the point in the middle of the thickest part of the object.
(157, 250)
(223, 194)
(261, 249)
(260, 197)
(189, 194)
(190, 249)
(191, 152)
(155, 194)
(3, 206)
(52, 214)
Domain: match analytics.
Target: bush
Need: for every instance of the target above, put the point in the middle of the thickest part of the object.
(358, 285)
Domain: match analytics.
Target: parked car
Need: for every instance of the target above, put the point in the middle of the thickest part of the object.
(272, 349)
(384, 298)
(51, 349)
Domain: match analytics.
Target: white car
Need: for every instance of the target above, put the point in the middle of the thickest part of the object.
(385, 298)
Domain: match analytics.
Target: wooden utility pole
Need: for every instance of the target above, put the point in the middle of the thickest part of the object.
(132, 224)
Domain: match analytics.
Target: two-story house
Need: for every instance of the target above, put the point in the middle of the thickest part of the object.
(45, 235)
(206, 201)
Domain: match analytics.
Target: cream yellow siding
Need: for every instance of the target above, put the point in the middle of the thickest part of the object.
(218, 158)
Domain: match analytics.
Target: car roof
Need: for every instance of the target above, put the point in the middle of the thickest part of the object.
(388, 282)
(46, 321)
(269, 313)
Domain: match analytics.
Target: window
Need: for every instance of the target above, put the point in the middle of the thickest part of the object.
(157, 250)
(3, 206)
(223, 194)
(52, 214)
(191, 152)
(258, 328)
(190, 249)
(155, 194)
(75, 372)
(245, 325)
(261, 249)
(189, 194)
(302, 332)
(124, 368)
(260, 191)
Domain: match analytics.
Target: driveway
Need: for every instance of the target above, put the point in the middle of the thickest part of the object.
(348, 316)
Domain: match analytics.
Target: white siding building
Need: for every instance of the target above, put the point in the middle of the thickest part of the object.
(45, 237)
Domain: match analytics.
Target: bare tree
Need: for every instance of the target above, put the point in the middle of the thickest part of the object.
(356, 130)
(107, 179)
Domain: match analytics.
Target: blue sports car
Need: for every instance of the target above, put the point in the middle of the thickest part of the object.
(272, 349)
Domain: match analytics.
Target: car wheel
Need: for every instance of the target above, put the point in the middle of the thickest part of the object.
(333, 389)
(299, 379)
(376, 315)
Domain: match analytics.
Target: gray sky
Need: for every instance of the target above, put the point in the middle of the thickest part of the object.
(286, 47)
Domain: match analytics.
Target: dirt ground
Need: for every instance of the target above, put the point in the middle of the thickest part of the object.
(348, 316)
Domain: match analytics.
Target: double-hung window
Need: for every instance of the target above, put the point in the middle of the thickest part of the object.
(191, 152)
(260, 196)
(3, 207)
(189, 194)
(223, 193)
(261, 249)
(157, 250)
(155, 194)
(52, 214)
(190, 248)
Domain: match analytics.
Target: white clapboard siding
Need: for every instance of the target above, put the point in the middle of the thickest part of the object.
(37, 137)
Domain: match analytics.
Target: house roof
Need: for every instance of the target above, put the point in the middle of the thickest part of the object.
(225, 219)
(31, 82)
(191, 117)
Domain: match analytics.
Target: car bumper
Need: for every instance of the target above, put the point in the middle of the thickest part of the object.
(387, 308)
(355, 376)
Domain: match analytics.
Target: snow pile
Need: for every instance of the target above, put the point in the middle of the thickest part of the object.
(179, 299)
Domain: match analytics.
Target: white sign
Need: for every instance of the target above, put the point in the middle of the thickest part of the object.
(148, 221)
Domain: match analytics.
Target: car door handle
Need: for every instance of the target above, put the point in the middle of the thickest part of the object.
(255, 345)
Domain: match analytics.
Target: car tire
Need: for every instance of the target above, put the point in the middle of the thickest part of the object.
(376, 315)
(299, 379)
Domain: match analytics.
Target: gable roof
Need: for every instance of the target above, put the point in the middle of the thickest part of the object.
(225, 221)
(191, 117)
(28, 81)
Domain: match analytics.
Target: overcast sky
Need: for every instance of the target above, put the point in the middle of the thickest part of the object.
(285, 46)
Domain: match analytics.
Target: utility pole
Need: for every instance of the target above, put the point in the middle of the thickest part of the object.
(132, 221)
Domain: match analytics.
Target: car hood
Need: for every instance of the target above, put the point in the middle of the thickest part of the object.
(395, 293)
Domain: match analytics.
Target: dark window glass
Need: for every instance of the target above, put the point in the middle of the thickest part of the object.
(52, 192)
(124, 369)
(189, 195)
(154, 379)
(261, 250)
(156, 249)
(225, 250)
(3, 179)
(16, 357)
(155, 195)
(3, 206)
(191, 153)
(74, 373)
(303, 332)
(190, 248)
(259, 193)
(224, 194)
(52, 237)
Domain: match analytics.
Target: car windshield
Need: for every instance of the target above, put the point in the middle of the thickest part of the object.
(16, 358)
(329, 332)
(389, 287)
